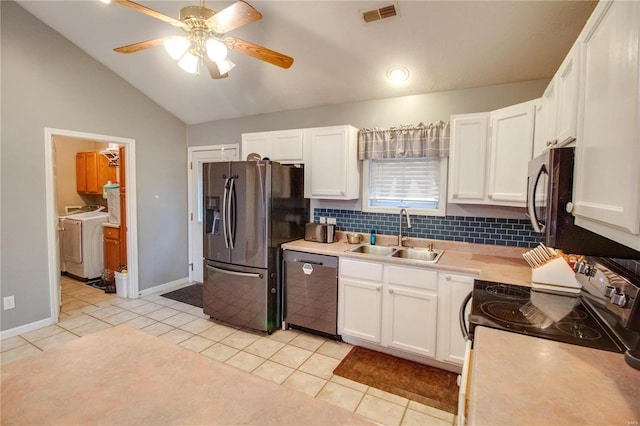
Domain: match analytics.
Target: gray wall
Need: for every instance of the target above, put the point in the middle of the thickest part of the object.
(49, 82)
(426, 108)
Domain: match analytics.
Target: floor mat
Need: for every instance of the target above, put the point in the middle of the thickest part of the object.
(191, 295)
(422, 383)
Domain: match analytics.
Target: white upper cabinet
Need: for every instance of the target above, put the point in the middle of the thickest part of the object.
(511, 148)
(556, 114)
(489, 156)
(607, 174)
(284, 146)
(332, 168)
(468, 158)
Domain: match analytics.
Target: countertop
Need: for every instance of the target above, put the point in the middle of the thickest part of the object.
(523, 380)
(490, 263)
(111, 225)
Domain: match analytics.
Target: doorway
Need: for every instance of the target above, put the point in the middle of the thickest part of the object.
(197, 156)
(54, 255)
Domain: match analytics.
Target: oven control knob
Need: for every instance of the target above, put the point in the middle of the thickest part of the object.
(585, 269)
(619, 299)
(610, 291)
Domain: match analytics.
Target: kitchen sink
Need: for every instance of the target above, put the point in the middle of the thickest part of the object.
(373, 250)
(424, 255)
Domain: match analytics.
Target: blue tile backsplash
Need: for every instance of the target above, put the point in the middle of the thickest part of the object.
(481, 230)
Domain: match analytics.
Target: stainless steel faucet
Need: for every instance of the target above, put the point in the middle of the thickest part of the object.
(406, 213)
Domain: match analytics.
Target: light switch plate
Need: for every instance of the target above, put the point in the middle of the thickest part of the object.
(9, 302)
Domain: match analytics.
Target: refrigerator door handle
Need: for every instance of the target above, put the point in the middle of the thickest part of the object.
(238, 274)
(225, 217)
(231, 212)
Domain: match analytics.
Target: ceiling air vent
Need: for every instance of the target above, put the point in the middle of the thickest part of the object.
(379, 14)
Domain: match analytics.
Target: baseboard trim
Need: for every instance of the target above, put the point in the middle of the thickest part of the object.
(163, 287)
(26, 328)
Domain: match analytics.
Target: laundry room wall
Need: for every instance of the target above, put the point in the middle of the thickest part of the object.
(64, 168)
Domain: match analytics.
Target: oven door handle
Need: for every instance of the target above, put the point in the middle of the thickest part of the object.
(463, 321)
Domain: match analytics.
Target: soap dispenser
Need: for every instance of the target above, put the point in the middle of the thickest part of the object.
(372, 239)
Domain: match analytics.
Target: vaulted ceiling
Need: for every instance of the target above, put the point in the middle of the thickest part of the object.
(338, 58)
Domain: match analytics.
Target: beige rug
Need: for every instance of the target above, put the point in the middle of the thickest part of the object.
(123, 376)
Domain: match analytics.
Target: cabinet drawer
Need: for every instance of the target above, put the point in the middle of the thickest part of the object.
(111, 233)
(415, 277)
(361, 270)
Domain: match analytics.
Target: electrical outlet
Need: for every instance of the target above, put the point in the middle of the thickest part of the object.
(9, 302)
(331, 221)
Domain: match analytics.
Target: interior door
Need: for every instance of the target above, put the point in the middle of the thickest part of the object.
(198, 158)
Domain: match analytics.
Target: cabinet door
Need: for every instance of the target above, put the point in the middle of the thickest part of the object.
(468, 158)
(287, 146)
(255, 143)
(328, 162)
(81, 172)
(545, 119)
(92, 173)
(452, 290)
(410, 319)
(567, 78)
(607, 176)
(511, 149)
(360, 309)
(111, 254)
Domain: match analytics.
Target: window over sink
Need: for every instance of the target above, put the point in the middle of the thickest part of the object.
(418, 184)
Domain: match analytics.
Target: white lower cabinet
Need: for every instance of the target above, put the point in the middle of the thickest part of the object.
(360, 300)
(407, 309)
(452, 291)
(410, 308)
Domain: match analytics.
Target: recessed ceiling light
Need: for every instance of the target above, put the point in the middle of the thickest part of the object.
(397, 74)
(106, 1)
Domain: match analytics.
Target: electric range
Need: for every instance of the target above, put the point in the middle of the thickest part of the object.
(605, 315)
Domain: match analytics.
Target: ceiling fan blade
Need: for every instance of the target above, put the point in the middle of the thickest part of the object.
(213, 69)
(135, 47)
(259, 52)
(151, 12)
(234, 16)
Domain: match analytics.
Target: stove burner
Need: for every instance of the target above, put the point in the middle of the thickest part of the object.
(505, 311)
(578, 330)
(508, 292)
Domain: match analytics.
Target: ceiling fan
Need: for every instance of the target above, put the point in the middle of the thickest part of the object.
(205, 40)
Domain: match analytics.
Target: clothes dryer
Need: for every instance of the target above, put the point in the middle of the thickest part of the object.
(82, 244)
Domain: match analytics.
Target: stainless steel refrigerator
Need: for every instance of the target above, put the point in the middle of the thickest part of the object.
(251, 208)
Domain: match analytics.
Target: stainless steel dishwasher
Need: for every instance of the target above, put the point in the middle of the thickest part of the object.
(311, 292)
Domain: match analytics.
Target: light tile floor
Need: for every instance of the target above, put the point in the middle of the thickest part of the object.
(291, 358)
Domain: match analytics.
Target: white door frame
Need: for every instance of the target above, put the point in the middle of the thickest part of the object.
(53, 249)
(190, 214)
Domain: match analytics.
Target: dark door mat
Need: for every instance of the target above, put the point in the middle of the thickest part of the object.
(191, 295)
(422, 383)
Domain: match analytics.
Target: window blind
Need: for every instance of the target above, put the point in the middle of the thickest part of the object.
(401, 182)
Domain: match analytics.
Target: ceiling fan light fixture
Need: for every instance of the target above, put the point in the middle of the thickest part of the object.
(176, 47)
(189, 63)
(225, 65)
(216, 50)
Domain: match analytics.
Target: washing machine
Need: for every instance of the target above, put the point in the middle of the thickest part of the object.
(81, 244)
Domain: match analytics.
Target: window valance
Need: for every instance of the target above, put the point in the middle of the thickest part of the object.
(406, 141)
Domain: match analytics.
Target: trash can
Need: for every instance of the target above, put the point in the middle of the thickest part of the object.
(122, 283)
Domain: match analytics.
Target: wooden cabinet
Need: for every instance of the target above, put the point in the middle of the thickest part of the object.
(452, 289)
(284, 146)
(489, 156)
(360, 300)
(606, 195)
(332, 169)
(410, 307)
(111, 248)
(93, 172)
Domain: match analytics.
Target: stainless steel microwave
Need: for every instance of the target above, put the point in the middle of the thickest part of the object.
(549, 190)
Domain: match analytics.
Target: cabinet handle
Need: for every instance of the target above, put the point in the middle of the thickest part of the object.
(548, 143)
(490, 196)
(455, 195)
(390, 291)
(377, 288)
(447, 277)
